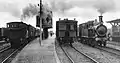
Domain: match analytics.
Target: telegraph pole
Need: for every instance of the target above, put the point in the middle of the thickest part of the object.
(40, 21)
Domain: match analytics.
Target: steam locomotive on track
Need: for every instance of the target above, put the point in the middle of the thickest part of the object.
(18, 33)
(89, 33)
(93, 34)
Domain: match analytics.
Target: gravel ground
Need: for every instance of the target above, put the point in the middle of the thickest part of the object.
(113, 46)
(101, 56)
(62, 57)
(77, 57)
(113, 43)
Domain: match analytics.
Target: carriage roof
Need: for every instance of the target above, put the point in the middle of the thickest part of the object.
(67, 21)
(16, 22)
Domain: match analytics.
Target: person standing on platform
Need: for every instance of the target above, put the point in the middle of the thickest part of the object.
(50, 34)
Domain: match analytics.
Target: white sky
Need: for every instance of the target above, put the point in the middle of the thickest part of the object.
(82, 10)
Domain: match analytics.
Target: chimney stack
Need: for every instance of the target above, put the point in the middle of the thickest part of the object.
(100, 18)
(74, 19)
(59, 19)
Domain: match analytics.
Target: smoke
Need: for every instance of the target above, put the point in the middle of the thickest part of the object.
(60, 6)
(102, 6)
(11, 8)
(29, 11)
(32, 10)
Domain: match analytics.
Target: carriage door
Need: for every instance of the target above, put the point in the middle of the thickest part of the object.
(67, 31)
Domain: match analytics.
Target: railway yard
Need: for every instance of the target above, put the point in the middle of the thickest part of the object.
(81, 53)
(7, 53)
(56, 31)
(50, 51)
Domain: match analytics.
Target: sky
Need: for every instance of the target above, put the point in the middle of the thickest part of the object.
(82, 10)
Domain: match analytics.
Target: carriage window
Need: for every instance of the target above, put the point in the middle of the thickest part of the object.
(62, 27)
(11, 25)
(72, 27)
(8, 25)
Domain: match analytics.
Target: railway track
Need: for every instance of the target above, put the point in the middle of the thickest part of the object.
(12, 53)
(9, 54)
(86, 58)
(4, 49)
(113, 43)
(67, 54)
(110, 50)
(92, 59)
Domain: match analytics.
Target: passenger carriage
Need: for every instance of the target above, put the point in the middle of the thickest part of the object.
(66, 31)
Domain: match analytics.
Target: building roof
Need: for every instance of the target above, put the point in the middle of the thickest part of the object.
(114, 21)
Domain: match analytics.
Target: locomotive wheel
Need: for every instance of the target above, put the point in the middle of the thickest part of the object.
(81, 41)
(7, 40)
(100, 43)
(97, 43)
(89, 42)
(93, 43)
(60, 43)
(104, 44)
(71, 44)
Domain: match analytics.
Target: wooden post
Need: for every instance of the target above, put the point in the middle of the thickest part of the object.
(40, 22)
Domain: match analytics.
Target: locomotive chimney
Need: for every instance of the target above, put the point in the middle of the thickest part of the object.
(100, 18)
(59, 19)
(74, 19)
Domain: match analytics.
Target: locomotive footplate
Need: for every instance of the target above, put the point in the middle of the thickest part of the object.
(101, 41)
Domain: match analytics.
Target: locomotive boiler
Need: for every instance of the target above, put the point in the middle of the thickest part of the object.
(93, 34)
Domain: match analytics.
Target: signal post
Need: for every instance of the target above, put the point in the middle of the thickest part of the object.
(44, 20)
(39, 21)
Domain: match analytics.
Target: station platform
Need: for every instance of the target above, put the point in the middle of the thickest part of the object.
(36, 53)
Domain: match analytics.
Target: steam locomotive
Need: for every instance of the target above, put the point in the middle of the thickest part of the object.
(93, 34)
(66, 31)
(18, 33)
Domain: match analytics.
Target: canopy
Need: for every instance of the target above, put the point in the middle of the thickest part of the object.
(114, 21)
